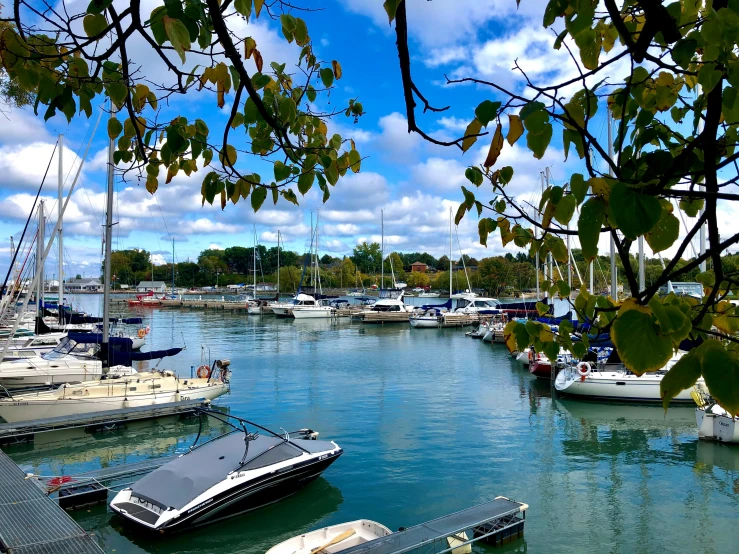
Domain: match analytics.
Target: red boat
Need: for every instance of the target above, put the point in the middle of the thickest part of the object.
(540, 366)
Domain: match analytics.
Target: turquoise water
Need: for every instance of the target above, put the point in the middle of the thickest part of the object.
(430, 422)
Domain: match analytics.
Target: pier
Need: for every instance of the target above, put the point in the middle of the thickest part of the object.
(13, 433)
(31, 522)
(494, 522)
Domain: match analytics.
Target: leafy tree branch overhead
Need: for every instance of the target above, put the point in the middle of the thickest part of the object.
(674, 149)
(68, 60)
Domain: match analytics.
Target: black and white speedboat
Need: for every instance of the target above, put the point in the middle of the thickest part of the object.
(226, 476)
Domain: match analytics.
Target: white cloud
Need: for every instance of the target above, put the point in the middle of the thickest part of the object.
(439, 174)
(158, 259)
(20, 126)
(23, 166)
(395, 140)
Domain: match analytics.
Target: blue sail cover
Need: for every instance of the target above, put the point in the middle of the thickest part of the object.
(121, 349)
(447, 305)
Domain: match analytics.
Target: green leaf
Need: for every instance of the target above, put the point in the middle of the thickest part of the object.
(486, 111)
(565, 209)
(721, 372)
(355, 161)
(539, 132)
(98, 6)
(391, 7)
(327, 76)
(243, 7)
(251, 113)
(683, 51)
(484, 227)
(563, 288)
(94, 24)
(635, 213)
(542, 309)
(680, 377)
(708, 77)
(282, 171)
(529, 109)
(470, 133)
(178, 35)
(114, 128)
(228, 155)
(639, 345)
(305, 182)
(258, 195)
(460, 213)
(474, 175)
(671, 320)
(664, 233)
(592, 214)
(579, 187)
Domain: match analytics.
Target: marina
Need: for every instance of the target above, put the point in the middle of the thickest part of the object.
(391, 414)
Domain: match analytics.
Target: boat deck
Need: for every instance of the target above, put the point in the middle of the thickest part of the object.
(25, 431)
(30, 522)
(494, 522)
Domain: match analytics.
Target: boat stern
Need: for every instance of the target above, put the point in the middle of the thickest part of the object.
(141, 511)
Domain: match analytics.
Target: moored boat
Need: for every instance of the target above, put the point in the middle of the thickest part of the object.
(224, 477)
(333, 539)
(715, 422)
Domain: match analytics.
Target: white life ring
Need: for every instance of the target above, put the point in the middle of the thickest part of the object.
(584, 369)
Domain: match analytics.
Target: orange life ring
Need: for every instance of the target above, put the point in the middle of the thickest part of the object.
(583, 369)
(203, 371)
(142, 333)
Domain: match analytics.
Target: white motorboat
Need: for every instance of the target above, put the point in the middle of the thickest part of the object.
(480, 332)
(34, 346)
(429, 295)
(386, 310)
(470, 303)
(282, 309)
(714, 422)
(333, 539)
(313, 312)
(426, 319)
(612, 381)
(224, 477)
(129, 391)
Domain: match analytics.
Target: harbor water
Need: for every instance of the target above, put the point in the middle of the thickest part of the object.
(431, 422)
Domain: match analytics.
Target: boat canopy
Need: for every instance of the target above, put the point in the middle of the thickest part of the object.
(447, 305)
(121, 348)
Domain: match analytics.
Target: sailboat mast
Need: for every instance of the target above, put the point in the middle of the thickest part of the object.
(40, 260)
(450, 252)
(278, 265)
(60, 213)
(382, 249)
(105, 347)
(172, 266)
(254, 262)
(614, 277)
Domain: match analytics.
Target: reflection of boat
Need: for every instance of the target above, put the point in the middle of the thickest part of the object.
(719, 455)
(239, 472)
(628, 416)
(332, 539)
(426, 319)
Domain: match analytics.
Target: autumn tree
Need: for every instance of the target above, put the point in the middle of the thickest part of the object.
(673, 149)
(73, 61)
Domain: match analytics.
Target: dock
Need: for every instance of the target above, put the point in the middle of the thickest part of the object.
(384, 317)
(31, 522)
(494, 522)
(25, 431)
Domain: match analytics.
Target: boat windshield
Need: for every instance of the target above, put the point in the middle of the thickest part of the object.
(486, 303)
(69, 347)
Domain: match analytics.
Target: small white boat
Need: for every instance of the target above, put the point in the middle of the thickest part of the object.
(480, 332)
(313, 312)
(714, 422)
(426, 319)
(333, 539)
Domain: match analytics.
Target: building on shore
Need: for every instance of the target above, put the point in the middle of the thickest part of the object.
(151, 286)
(83, 285)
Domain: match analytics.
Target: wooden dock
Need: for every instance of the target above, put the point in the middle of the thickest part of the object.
(25, 431)
(31, 522)
(384, 317)
(452, 319)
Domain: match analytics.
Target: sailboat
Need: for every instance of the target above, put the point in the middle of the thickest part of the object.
(305, 309)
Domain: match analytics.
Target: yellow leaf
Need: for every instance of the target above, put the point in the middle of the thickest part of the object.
(324, 130)
(495, 147)
(337, 69)
(221, 94)
(258, 6)
(249, 46)
(151, 184)
(258, 60)
(515, 129)
(228, 155)
(600, 187)
(470, 134)
(223, 199)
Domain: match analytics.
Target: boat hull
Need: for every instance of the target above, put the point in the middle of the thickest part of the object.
(717, 426)
(312, 314)
(13, 412)
(365, 530)
(615, 386)
(542, 370)
(424, 322)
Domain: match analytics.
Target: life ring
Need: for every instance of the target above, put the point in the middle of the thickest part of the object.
(203, 372)
(142, 333)
(148, 329)
(583, 369)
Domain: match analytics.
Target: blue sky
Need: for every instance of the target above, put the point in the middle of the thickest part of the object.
(414, 182)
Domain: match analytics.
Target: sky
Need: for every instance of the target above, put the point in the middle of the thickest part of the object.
(413, 182)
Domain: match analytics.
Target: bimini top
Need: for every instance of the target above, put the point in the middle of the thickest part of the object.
(121, 348)
(179, 482)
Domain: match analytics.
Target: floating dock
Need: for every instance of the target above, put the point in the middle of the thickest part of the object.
(31, 522)
(495, 522)
(384, 317)
(25, 431)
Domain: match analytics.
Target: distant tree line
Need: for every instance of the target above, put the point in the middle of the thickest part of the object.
(496, 275)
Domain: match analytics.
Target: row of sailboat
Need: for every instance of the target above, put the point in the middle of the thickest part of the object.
(57, 362)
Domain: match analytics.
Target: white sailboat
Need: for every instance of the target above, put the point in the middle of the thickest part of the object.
(315, 310)
(332, 539)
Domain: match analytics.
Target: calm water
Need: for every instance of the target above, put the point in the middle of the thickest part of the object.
(430, 422)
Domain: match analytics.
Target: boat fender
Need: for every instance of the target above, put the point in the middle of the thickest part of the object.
(142, 333)
(583, 369)
(148, 329)
(203, 371)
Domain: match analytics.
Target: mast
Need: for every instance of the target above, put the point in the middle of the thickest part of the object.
(105, 347)
(60, 213)
(254, 262)
(318, 270)
(40, 260)
(278, 265)
(172, 266)
(451, 266)
(382, 251)
(614, 277)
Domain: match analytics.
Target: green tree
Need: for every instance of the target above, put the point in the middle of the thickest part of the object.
(442, 264)
(676, 126)
(238, 259)
(397, 266)
(418, 279)
(367, 257)
(269, 116)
